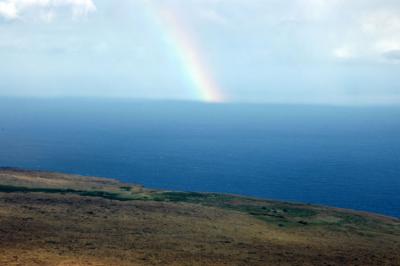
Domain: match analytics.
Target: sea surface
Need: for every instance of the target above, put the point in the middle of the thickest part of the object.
(338, 156)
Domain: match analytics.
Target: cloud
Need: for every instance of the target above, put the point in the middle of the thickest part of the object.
(393, 55)
(383, 21)
(362, 31)
(8, 10)
(45, 10)
(343, 52)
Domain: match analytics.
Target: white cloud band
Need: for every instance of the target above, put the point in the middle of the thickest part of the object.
(14, 9)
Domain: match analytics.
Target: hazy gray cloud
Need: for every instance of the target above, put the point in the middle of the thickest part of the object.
(393, 55)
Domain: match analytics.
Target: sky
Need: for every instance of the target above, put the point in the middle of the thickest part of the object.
(272, 51)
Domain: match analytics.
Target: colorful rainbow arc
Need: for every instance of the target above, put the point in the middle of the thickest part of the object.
(188, 52)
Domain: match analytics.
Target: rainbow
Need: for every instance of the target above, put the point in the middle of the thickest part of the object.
(188, 53)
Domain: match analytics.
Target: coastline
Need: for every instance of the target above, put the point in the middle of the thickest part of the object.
(58, 219)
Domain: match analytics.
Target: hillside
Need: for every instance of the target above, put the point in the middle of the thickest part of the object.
(59, 219)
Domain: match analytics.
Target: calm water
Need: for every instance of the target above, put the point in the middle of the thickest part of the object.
(345, 157)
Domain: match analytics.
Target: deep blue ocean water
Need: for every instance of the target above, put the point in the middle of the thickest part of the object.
(339, 156)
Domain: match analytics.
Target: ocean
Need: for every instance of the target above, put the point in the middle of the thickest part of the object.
(339, 156)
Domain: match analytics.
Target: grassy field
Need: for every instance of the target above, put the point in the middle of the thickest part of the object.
(58, 219)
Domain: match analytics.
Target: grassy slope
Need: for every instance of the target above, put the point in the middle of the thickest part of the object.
(92, 220)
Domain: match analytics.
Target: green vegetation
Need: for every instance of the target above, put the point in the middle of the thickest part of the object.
(275, 213)
(281, 214)
(101, 194)
(12, 189)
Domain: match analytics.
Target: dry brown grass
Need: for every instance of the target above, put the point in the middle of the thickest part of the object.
(68, 229)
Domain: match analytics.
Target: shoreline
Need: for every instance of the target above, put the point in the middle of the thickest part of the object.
(355, 211)
(60, 219)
